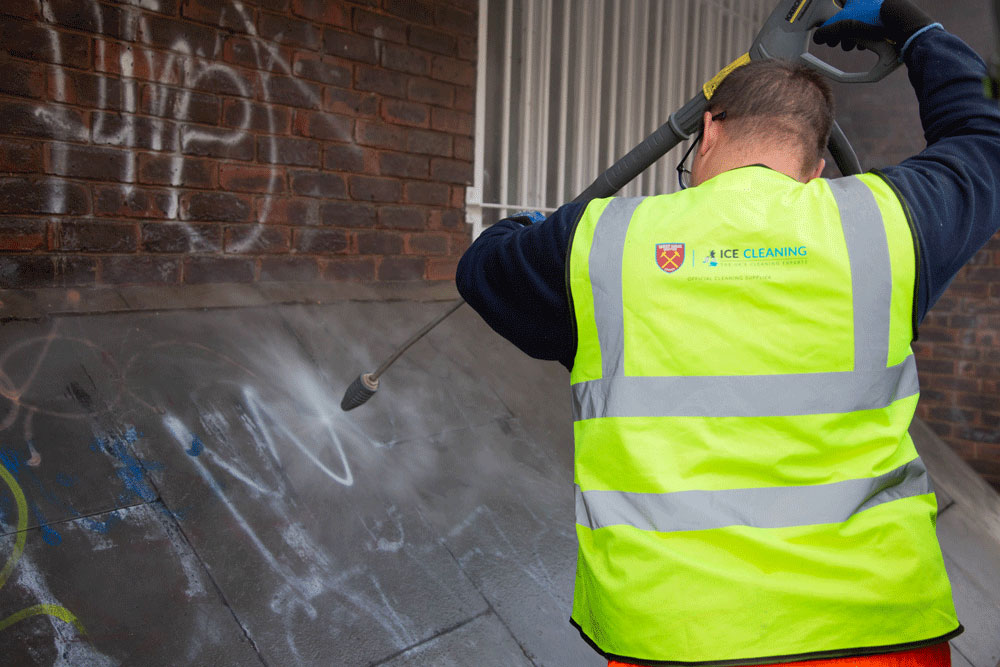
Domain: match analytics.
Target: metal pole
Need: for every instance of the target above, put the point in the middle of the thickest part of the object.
(561, 147)
(544, 96)
(480, 154)
(657, 97)
(508, 65)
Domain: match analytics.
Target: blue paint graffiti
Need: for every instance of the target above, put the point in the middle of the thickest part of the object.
(132, 476)
(11, 461)
(49, 534)
(196, 447)
(51, 537)
(65, 480)
(132, 471)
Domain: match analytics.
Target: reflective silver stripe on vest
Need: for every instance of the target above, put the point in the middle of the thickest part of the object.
(606, 253)
(745, 395)
(869, 386)
(771, 507)
(871, 272)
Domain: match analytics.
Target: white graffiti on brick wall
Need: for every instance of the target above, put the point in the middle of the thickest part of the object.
(143, 124)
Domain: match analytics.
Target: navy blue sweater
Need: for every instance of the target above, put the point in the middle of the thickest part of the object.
(514, 276)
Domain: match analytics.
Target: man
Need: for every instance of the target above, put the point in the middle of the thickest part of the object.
(741, 370)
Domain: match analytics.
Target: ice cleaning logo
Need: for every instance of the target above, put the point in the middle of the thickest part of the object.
(774, 256)
(669, 256)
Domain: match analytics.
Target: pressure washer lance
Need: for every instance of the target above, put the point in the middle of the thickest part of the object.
(366, 384)
(786, 34)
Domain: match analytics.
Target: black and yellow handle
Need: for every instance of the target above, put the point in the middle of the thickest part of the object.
(787, 34)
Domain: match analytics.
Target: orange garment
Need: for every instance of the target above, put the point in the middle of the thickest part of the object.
(938, 655)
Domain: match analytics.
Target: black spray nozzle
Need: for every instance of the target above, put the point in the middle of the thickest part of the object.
(365, 386)
(359, 391)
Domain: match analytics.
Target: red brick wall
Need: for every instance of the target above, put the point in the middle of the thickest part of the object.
(959, 361)
(201, 141)
(959, 350)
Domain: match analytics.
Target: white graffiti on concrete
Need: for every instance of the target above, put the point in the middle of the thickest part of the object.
(303, 429)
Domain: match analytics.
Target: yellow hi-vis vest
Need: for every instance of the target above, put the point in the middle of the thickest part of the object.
(746, 490)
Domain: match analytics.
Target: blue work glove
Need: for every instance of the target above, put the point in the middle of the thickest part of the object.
(873, 20)
(528, 217)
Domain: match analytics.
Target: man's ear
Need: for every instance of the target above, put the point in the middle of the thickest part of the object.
(818, 170)
(710, 133)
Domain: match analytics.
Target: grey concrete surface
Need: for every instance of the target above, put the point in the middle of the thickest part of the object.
(969, 531)
(137, 589)
(482, 641)
(186, 490)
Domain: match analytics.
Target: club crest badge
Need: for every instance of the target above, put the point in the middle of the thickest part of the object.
(670, 256)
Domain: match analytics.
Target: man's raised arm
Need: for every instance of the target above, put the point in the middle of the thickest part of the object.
(514, 276)
(952, 188)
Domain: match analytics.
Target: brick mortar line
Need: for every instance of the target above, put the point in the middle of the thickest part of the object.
(267, 165)
(237, 162)
(226, 97)
(220, 190)
(227, 33)
(256, 133)
(254, 13)
(372, 120)
(43, 64)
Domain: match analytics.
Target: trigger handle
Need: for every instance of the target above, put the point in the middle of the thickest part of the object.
(888, 61)
(787, 34)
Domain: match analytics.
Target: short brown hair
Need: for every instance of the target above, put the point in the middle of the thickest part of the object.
(774, 100)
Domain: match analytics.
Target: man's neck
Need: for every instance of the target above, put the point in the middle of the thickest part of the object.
(781, 162)
(718, 153)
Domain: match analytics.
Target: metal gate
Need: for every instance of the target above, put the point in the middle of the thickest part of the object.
(566, 87)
